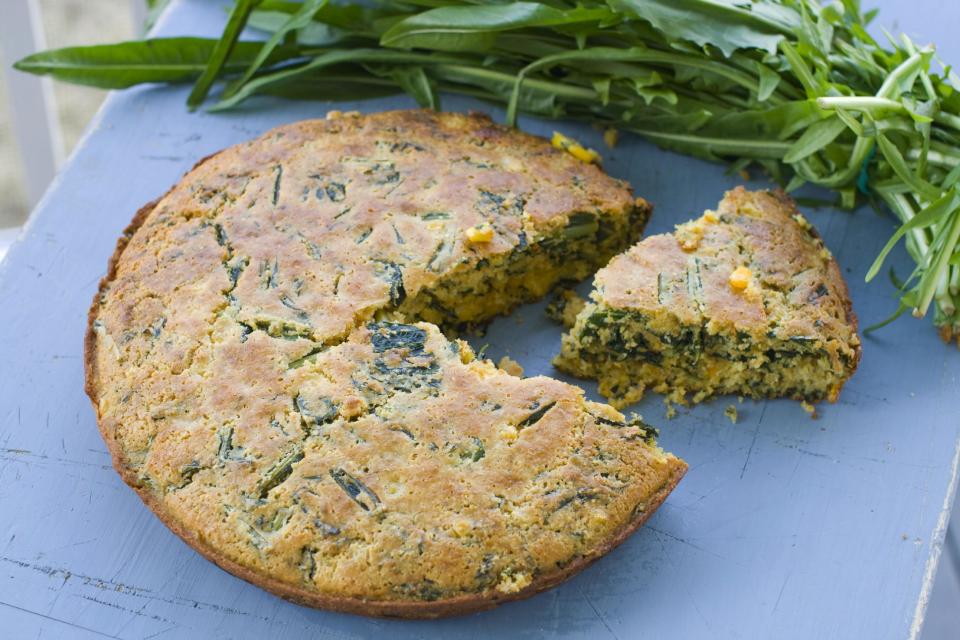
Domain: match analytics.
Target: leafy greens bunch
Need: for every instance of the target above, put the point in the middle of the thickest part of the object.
(794, 86)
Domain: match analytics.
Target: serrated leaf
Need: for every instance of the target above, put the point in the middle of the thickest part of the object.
(649, 94)
(596, 55)
(727, 25)
(536, 96)
(315, 34)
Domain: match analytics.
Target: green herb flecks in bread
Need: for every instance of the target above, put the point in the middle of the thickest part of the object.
(744, 300)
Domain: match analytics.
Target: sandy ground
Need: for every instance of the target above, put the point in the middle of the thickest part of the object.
(65, 23)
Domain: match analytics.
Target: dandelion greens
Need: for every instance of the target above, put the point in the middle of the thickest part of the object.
(797, 87)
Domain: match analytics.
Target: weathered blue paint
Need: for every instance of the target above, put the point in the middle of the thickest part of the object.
(785, 527)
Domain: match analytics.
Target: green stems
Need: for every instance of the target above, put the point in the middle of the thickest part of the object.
(867, 104)
(796, 87)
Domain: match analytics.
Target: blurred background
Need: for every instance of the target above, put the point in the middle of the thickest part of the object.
(62, 23)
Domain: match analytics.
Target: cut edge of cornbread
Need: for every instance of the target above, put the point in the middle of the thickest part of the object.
(744, 300)
(475, 293)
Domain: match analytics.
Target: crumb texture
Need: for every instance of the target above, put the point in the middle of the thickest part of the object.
(269, 371)
(745, 299)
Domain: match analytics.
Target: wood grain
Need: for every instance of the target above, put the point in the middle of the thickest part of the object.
(784, 527)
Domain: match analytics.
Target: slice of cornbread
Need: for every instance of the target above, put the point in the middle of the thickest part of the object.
(745, 300)
(261, 379)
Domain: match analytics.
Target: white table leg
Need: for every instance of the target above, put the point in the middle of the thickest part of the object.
(33, 115)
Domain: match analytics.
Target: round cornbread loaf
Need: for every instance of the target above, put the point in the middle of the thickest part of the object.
(268, 373)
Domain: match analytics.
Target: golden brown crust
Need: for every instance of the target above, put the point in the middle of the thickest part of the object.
(758, 230)
(838, 283)
(461, 605)
(89, 360)
(148, 470)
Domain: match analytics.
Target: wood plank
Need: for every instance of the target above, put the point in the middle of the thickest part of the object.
(784, 527)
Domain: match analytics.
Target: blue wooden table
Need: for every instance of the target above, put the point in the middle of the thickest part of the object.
(785, 527)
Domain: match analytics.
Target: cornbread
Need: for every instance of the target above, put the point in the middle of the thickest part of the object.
(744, 300)
(565, 306)
(266, 361)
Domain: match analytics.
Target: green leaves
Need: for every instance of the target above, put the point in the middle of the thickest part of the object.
(218, 57)
(798, 88)
(727, 25)
(330, 58)
(125, 64)
(302, 18)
